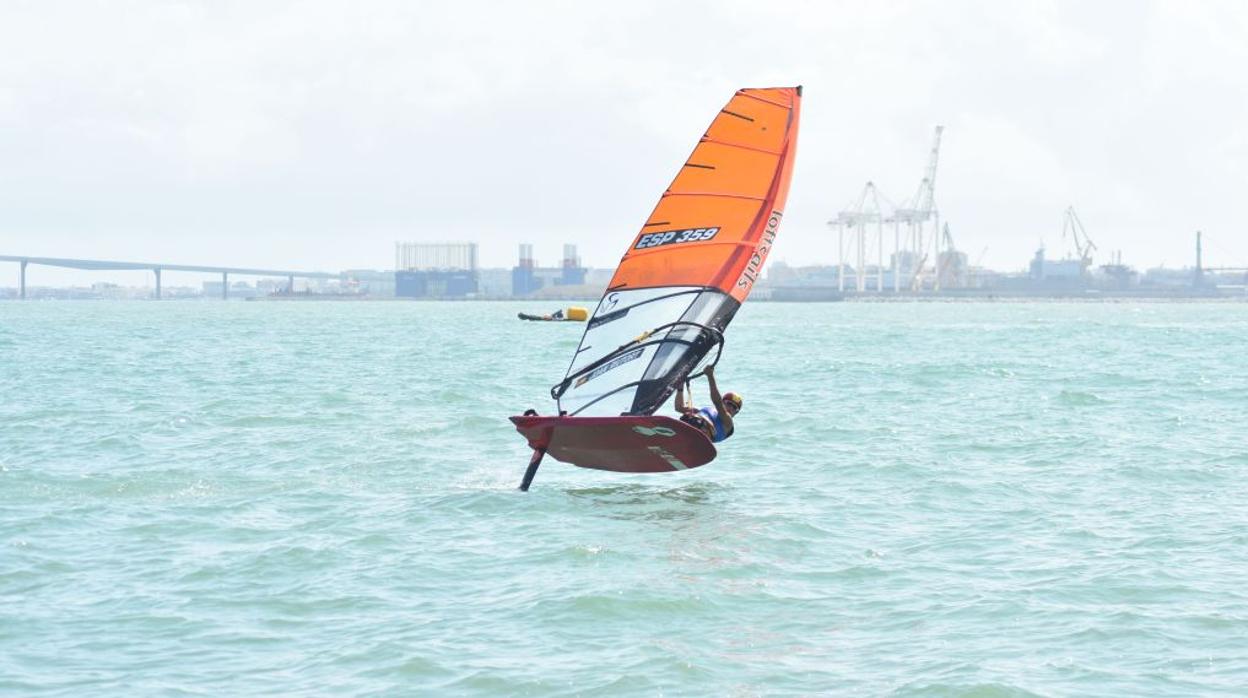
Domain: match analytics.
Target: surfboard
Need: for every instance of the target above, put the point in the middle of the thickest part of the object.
(686, 272)
(633, 444)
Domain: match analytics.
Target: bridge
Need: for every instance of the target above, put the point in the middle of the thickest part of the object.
(106, 265)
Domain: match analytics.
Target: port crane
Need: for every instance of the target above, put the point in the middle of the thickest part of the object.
(909, 258)
(916, 280)
(920, 209)
(854, 218)
(1071, 225)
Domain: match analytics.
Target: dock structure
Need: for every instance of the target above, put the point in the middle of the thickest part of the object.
(866, 217)
(157, 268)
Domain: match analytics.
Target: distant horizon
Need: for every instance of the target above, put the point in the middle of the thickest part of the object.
(36, 275)
(1216, 254)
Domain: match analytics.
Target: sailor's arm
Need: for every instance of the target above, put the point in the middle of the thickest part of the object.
(680, 399)
(718, 400)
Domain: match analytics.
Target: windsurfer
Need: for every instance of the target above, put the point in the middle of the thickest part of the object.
(716, 421)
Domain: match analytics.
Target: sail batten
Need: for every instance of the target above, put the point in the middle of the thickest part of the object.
(742, 146)
(711, 193)
(743, 93)
(686, 273)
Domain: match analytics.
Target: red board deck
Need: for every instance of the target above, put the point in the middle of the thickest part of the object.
(643, 444)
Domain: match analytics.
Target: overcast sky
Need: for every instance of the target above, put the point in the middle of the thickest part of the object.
(313, 135)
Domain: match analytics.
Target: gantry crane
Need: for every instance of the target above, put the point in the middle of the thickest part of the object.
(864, 210)
(920, 209)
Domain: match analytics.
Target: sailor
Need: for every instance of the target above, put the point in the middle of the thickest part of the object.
(715, 422)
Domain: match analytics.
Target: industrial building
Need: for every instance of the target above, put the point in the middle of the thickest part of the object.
(566, 280)
(1055, 272)
(237, 289)
(435, 270)
(494, 282)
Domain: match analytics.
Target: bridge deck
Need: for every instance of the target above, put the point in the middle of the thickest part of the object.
(108, 265)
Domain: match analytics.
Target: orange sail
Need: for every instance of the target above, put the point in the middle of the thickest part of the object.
(693, 263)
(716, 222)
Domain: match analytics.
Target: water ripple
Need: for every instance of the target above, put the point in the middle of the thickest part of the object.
(922, 500)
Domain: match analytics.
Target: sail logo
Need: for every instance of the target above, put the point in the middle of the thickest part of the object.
(654, 431)
(613, 363)
(674, 237)
(609, 317)
(755, 265)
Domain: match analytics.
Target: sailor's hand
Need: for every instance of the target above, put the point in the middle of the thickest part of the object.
(709, 371)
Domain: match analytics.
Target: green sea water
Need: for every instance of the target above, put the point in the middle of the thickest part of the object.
(921, 499)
